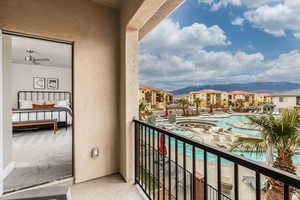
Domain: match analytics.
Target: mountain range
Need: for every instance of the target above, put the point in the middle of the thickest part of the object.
(269, 87)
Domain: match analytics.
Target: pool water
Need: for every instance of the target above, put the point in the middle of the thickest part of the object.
(260, 157)
(223, 122)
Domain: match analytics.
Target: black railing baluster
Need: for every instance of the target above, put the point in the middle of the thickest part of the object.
(184, 171)
(142, 153)
(170, 180)
(205, 175)
(176, 169)
(286, 192)
(143, 173)
(258, 193)
(236, 181)
(219, 177)
(158, 165)
(164, 143)
(194, 173)
(136, 152)
(145, 160)
(153, 162)
(149, 161)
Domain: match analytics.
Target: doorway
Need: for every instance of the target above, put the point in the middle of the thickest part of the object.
(37, 110)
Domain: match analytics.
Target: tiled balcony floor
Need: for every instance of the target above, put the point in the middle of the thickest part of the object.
(107, 188)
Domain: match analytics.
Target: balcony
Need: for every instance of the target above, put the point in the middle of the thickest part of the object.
(170, 166)
(106, 188)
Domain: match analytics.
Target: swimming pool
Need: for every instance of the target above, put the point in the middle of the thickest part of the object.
(223, 122)
(213, 158)
(259, 157)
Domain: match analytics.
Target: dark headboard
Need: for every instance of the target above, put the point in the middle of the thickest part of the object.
(44, 95)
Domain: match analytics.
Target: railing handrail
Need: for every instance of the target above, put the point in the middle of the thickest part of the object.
(263, 169)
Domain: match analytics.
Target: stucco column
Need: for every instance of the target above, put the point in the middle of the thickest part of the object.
(129, 101)
(136, 15)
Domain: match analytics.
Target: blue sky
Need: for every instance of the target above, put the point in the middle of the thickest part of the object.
(223, 41)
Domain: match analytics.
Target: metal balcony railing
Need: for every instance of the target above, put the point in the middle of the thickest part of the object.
(165, 168)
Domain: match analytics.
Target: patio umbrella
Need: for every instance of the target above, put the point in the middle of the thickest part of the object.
(162, 145)
(167, 112)
(211, 108)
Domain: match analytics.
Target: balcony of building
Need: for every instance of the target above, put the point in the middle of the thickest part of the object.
(105, 35)
(170, 166)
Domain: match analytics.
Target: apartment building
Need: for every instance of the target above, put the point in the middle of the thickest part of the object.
(242, 98)
(263, 98)
(154, 98)
(209, 97)
(286, 100)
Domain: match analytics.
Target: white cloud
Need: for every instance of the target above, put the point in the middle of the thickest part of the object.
(297, 35)
(210, 67)
(218, 4)
(177, 57)
(277, 19)
(238, 21)
(285, 67)
(206, 1)
(170, 36)
(202, 67)
(225, 3)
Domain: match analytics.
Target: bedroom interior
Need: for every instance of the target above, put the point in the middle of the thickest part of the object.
(40, 140)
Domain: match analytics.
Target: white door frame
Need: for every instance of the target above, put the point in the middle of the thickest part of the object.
(1, 115)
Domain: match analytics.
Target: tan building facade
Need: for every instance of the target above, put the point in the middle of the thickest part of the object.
(209, 97)
(154, 98)
(224, 99)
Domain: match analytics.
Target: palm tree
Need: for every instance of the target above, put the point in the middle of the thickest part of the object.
(197, 101)
(283, 135)
(240, 103)
(142, 110)
(184, 103)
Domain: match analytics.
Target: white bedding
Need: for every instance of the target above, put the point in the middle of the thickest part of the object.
(35, 115)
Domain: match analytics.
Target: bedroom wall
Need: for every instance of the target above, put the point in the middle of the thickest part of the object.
(22, 78)
(7, 143)
(5, 110)
(95, 31)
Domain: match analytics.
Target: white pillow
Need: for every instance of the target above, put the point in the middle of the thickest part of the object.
(50, 102)
(25, 104)
(39, 102)
(64, 103)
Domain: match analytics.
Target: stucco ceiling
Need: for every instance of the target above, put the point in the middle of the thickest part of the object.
(60, 55)
(111, 3)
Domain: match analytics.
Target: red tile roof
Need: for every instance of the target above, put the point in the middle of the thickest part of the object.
(240, 92)
(265, 94)
(144, 87)
(211, 91)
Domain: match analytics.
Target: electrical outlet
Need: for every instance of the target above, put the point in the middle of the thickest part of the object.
(95, 152)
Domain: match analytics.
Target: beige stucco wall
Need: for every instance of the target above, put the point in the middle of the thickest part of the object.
(128, 88)
(288, 103)
(96, 32)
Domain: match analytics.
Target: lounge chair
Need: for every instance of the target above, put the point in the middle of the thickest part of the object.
(251, 181)
(228, 139)
(216, 138)
(222, 146)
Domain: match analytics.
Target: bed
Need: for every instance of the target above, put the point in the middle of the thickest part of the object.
(42, 110)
